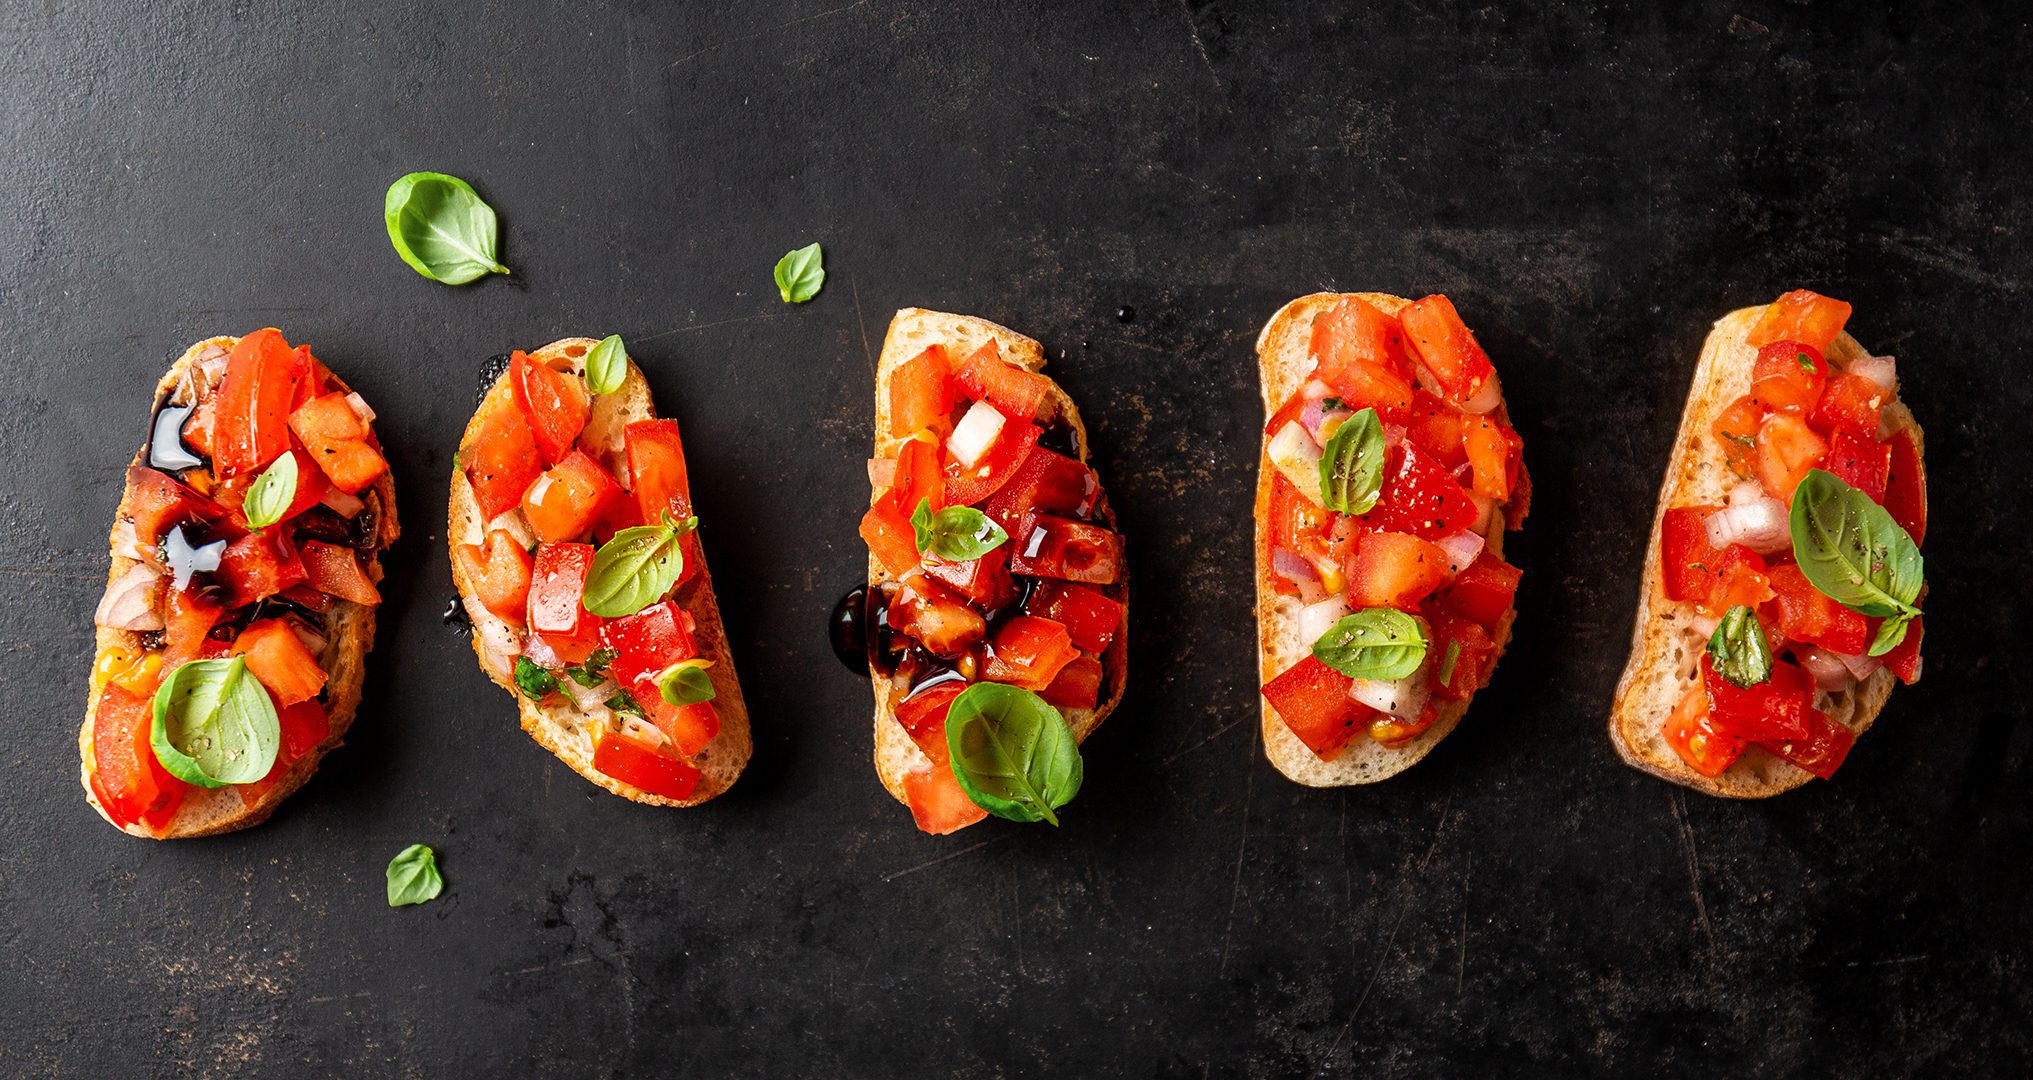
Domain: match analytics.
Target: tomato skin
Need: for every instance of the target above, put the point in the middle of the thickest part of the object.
(921, 393)
(1355, 334)
(1475, 658)
(1851, 403)
(1394, 570)
(1089, 615)
(501, 458)
(1492, 450)
(886, 527)
(660, 483)
(1787, 451)
(1293, 517)
(1684, 551)
(131, 784)
(1774, 709)
(1436, 427)
(1736, 429)
(1312, 699)
(1821, 751)
(1801, 316)
(188, 617)
(1904, 659)
(1419, 497)
(335, 571)
(278, 659)
(1056, 547)
(1863, 463)
(1780, 382)
(554, 403)
(1288, 413)
(1368, 386)
(251, 425)
(646, 643)
(1906, 486)
(259, 565)
(1048, 482)
(339, 441)
(937, 802)
(567, 501)
(1801, 613)
(499, 573)
(1028, 651)
(1078, 685)
(1446, 346)
(557, 586)
(159, 503)
(934, 616)
(1015, 392)
(1692, 734)
(985, 582)
(650, 769)
(1484, 590)
(923, 717)
(965, 486)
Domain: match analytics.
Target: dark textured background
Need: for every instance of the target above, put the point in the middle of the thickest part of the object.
(1591, 184)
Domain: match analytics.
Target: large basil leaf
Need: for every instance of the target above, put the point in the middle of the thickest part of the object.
(1352, 466)
(1738, 648)
(1381, 644)
(1014, 755)
(269, 496)
(636, 568)
(214, 725)
(800, 274)
(442, 228)
(534, 680)
(957, 533)
(413, 876)
(1851, 550)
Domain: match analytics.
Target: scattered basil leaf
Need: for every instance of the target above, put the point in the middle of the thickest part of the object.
(1447, 664)
(442, 228)
(636, 568)
(1851, 550)
(607, 365)
(594, 671)
(624, 702)
(1331, 403)
(1352, 466)
(800, 273)
(535, 682)
(1746, 441)
(214, 725)
(1013, 754)
(1380, 644)
(957, 533)
(686, 682)
(1738, 648)
(1806, 363)
(269, 496)
(1890, 633)
(413, 876)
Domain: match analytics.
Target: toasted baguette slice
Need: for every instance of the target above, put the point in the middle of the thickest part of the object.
(910, 333)
(1284, 358)
(349, 634)
(1665, 647)
(560, 727)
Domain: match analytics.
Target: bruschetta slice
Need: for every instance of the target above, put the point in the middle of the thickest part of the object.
(575, 552)
(239, 607)
(1780, 601)
(996, 576)
(1389, 475)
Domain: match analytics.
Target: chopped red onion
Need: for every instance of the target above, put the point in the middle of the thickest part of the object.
(1294, 568)
(588, 698)
(1486, 398)
(1760, 526)
(1829, 672)
(1461, 548)
(881, 472)
(129, 602)
(1882, 370)
(516, 525)
(1315, 417)
(1863, 667)
(360, 407)
(341, 503)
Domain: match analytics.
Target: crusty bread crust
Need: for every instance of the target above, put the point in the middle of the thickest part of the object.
(349, 634)
(1665, 646)
(910, 332)
(561, 728)
(1284, 359)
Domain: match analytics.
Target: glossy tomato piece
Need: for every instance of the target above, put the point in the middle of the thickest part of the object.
(277, 657)
(937, 802)
(1293, 518)
(1014, 392)
(1089, 615)
(1047, 482)
(650, 768)
(557, 588)
(311, 484)
(1077, 687)
(1288, 413)
(188, 618)
(1356, 334)
(661, 484)
(649, 641)
(1788, 377)
(1774, 709)
(886, 528)
(499, 573)
(1850, 403)
(985, 582)
(921, 393)
(339, 441)
(250, 426)
(259, 565)
(1906, 486)
(923, 716)
(1787, 451)
(1799, 612)
(130, 783)
(554, 403)
(1435, 427)
(934, 616)
(689, 727)
(1806, 317)
(334, 570)
(1692, 734)
(1475, 653)
(1821, 751)
(1860, 461)
(501, 457)
(159, 503)
(1419, 497)
(1444, 344)
(1312, 699)
(1736, 429)
(1057, 547)
(1492, 449)
(567, 501)
(1904, 659)
(965, 486)
(1484, 590)
(1394, 570)
(1369, 386)
(1714, 580)
(1028, 651)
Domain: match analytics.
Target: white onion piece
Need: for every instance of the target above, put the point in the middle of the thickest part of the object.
(498, 644)
(589, 699)
(642, 731)
(881, 472)
(1486, 398)
(516, 525)
(975, 433)
(1294, 568)
(313, 641)
(1297, 456)
(360, 408)
(1321, 422)
(341, 503)
(1487, 512)
(1760, 526)
(1403, 698)
(1318, 618)
(1394, 434)
(129, 600)
(1863, 667)
(1829, 672)
(1882, 370)
(1314, 390)
(1461, 549)
(1703, 625)
(127, 544)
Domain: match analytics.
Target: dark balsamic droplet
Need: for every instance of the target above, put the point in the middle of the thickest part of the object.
(455, 617)
(490, 371)
(848, 632)
(167, 450)
(1125, 313)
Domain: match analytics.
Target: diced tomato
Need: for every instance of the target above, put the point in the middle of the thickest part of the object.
(1850, 403)
(335, 570)
(934, 616)
(921, 393)
(937, 802)
(1419, 497)
(1862, 462)
(985, 582)
(1057, 547)
(313, 378)
(1367, 386)
(554, 403)
(1821, 751)
(1014, 392)
(159, 503)
(1714, 580)
(649, 641)
(1312, 699)
(1801, 613)
(965, 486)
(557, 587)
(886, 528)
(1395, 570)
(1047, 482)
(1484, 590)
(1077, 687)
(251, 426)
(1906, 487)
(1474, 653)
(923, 717)
(660, 482)
(307, 598)
(1737, 430)
(130, 783)
(1787, 451)
(1904, 659)
(1692, 734)
(565, 503)
(1774, 709)
(1028, 651)
(1293, 517)
(188, 618)
(1802, 316)
(197, 429)
(1492, 449)
(689, 727)
(1288, 413)
(499, 574)
(1356, 334)
(1788, 377)
(501, 457)
(1435, 427)
(259, 565)
(339, 441)
(278, 658)
(649, 768)
(311, 484)
(1738, 578)
(1446, 346)
(1088, 614)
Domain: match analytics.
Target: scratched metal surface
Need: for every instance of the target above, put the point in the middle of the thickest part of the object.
(1592, 185)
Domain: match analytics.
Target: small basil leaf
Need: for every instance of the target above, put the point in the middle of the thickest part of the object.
(269, 496)
(686, 682)
(1739, 650)
(607, 365)
(413, 876)
(1013, 754)
(800, 273)
(1890, 633)
(1352, 466)
(636, 568)
(533, 680)
(594, 671)
(214, 725)
(1851, 550)
(957, 533)
(442, 228)
(624, 702)
(1380, 644)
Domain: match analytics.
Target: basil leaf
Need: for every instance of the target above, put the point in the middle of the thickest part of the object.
(1851, 550)
(441, 228)
(1380, 644)
(957, 533)
(413, 876)
(624, 702)
(1806, 363)
(686, 682)
(1890, 633)
(533, 680)
(636, 568)
(594, 671)
(1013, 754)
(1447, 665)
(214, 725)
(1739, 650)
(1352, 466)
(800, 273)
(269, 496)
(607, 365)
